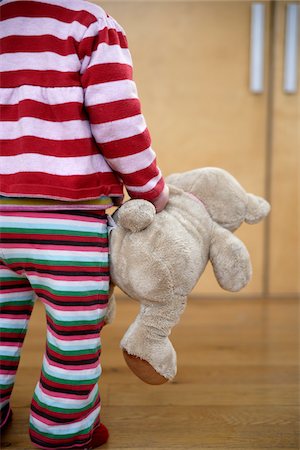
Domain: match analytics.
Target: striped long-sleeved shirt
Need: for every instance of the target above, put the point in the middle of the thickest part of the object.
(71, 123)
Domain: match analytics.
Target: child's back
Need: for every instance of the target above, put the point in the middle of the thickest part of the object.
(72, 124)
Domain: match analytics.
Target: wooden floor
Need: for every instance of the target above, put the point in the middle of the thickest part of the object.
(236, 388)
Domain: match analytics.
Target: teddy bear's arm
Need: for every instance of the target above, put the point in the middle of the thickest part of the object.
(230, 260)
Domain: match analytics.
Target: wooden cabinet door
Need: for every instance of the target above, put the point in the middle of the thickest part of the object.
(191, 66)
(284, 255)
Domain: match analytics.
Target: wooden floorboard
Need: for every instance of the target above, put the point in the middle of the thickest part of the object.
(237, 385)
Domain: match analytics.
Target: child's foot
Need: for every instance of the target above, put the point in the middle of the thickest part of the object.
(100, 436)
(6, 418)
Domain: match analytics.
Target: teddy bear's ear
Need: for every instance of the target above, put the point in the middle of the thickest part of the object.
(257, 209)
(135, 215)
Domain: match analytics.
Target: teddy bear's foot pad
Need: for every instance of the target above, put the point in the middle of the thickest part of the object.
(143, 370)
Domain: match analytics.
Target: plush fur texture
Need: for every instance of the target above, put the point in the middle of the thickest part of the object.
(158, 258)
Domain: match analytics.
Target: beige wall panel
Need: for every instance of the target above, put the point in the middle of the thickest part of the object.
(191, 68)
(285, 217)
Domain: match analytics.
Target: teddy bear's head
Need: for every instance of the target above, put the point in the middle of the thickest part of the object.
(226, 201)
(158, 258)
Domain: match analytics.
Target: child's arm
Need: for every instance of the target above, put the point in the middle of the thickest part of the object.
(114, 111)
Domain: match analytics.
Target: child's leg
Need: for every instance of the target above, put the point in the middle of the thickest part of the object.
(68, 254)
(16, 302)
(66, 404)
(65, 257)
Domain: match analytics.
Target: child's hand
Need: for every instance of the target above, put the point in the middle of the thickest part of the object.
(161, 201)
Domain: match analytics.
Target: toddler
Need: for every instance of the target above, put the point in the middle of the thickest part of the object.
(72, 134)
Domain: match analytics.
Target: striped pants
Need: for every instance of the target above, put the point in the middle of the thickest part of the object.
(62, 257)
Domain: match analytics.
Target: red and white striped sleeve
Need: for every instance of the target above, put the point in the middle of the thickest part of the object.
(114, 109)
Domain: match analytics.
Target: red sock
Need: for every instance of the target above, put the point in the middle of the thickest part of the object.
(100, 436)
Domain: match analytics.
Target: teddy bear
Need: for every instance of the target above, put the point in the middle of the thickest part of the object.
(158, 258)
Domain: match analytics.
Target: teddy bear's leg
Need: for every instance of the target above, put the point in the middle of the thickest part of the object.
(230, 260)
(147, 340)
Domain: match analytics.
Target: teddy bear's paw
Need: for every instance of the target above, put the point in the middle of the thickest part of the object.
(147, 347)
